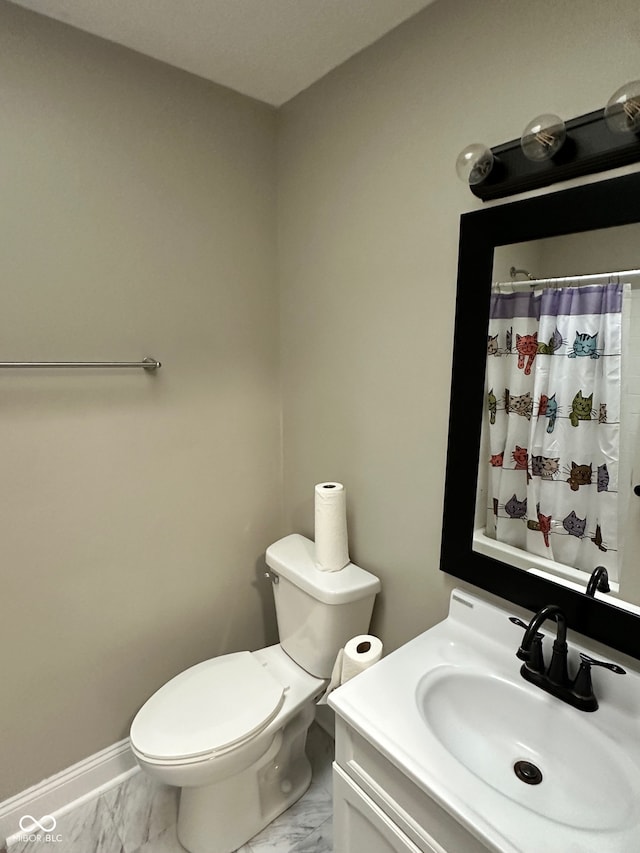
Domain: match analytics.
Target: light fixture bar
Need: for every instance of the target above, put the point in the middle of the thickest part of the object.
(590, 147)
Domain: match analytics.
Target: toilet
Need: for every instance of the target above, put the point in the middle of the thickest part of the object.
(231, 731)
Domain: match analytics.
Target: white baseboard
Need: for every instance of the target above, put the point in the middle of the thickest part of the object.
(81, 782)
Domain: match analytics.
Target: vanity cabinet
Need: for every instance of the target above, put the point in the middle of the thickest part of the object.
(358, 823)
(379, 809)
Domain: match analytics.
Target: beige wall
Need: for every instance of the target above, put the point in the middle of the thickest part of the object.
(369, 207)
(137, 217)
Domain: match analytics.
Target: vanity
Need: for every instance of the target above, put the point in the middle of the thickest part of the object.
(443, 747)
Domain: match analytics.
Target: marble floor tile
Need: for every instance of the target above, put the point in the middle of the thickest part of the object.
(294, 825)
(166, 842)
(142, 809)
(320, 840)
(89, 827)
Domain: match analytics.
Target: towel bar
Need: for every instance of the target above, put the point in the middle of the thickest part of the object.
(149, 364)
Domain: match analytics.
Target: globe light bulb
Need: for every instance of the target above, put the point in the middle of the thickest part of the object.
(474, 163)
(543, 137)
(622, 112)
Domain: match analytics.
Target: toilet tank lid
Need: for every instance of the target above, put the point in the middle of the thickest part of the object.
(294, 558)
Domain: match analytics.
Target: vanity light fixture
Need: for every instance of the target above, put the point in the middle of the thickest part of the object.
(474, 163)
(543, 137)
(622, 112)
(551, 150)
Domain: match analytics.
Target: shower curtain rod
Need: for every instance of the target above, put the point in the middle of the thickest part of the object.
(149, 364)
(533, 281)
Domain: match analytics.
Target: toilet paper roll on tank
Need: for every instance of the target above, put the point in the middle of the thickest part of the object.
(332, 547)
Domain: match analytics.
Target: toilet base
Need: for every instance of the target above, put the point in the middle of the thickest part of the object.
(221, 817)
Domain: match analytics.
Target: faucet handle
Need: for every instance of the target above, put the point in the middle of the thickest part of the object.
(612, 667)
(524, 625)
(582, 687)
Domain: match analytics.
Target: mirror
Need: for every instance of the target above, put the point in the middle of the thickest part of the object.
(518, 234)
(580, 518)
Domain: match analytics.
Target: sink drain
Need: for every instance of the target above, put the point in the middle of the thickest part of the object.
(527, 772)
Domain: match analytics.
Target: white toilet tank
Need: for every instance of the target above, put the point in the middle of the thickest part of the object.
(317, 611)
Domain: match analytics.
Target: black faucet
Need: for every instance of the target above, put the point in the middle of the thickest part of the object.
(599, 580)
(577, 692)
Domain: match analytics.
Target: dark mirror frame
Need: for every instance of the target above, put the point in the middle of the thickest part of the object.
(605, 204)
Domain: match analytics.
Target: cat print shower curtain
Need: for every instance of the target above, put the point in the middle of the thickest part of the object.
(553, 415)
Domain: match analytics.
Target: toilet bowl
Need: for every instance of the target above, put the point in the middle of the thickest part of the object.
(231, 731)
(243, 763)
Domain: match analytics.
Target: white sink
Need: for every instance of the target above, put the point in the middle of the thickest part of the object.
(489, 724)
(452, 712)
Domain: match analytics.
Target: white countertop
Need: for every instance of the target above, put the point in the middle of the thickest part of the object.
(381, 705)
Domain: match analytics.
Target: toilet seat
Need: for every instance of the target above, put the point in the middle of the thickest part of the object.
(209, 708)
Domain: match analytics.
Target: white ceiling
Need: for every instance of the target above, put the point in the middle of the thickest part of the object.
(268, 49)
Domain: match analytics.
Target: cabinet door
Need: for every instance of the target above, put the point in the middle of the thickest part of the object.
(359, 825)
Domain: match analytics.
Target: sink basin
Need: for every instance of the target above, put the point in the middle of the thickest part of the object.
(451, 711)
(488, 724)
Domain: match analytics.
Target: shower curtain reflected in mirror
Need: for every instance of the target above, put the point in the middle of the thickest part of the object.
(554, 375)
